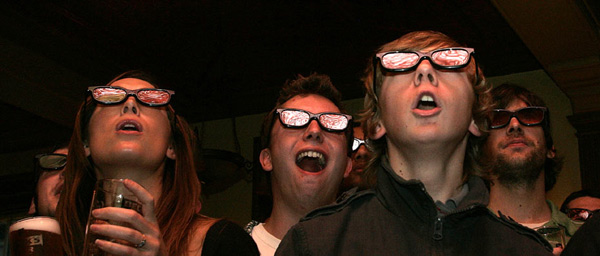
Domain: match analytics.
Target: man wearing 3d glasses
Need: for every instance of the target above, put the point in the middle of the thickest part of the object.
(426, 102)
(361, 153)
(520, 161)
(48, 181)
(306, 149)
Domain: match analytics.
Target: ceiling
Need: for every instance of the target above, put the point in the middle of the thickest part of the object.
(223, 58)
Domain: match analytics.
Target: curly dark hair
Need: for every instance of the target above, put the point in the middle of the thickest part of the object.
(577, 194)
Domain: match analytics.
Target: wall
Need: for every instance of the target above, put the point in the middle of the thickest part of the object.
(235, 202)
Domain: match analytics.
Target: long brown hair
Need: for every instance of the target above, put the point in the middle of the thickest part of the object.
(176, 209)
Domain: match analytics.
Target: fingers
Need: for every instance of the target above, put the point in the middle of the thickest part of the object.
(126, 228)
(123, 235)
(116, 248)
(126, 217)
(145, 198)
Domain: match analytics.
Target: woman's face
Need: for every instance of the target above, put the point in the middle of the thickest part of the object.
(129, 135)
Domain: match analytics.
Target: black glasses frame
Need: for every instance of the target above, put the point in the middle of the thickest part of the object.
(311, 117)
(571, 214)
(40, 156)
(515, 114)
(133, 93)
(377, 62)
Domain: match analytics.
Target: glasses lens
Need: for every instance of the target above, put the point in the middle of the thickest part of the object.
(334, 121)
(578, 214)
(500, 117)
(52, 161)
(530, 115)
(451, 57)
(356, 144)
(109, 95)
(399, 60)
(153, 96)
(294, 117)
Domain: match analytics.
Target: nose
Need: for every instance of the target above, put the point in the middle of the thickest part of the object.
(514, 127)
(313, 132)
(130, 106)
(424, 73)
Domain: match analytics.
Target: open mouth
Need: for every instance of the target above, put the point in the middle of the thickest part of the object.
(129, 125)
(426, 103)
(311, 161)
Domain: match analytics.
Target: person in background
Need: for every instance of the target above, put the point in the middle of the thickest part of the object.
(306, 148)
(48, 180)
(426, 106)
(581, 205)
(128, 130)
(361, 154)
(520, 162)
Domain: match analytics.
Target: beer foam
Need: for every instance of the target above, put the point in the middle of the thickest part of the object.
(43, 223)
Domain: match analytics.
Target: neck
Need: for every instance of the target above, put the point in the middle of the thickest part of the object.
(524, 204)
(281, 220)
(288, 211)
(438, 166)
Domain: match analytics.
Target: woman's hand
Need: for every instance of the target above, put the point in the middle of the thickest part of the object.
(137, 234)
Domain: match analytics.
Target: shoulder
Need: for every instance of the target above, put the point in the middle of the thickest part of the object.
(586, 240)
(227, 238)
(345, 202)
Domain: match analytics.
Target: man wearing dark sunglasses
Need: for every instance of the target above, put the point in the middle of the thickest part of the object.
(306, 150)
(582, 205)
(426, 102)
(520, 161)
(48, 181)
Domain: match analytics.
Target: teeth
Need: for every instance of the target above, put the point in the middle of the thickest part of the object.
(129, 126)
(312, 154)
(427, 98)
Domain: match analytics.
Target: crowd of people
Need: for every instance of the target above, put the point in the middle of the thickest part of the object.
(438, 162)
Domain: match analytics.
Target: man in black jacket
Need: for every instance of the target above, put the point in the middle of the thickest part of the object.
(423, 113)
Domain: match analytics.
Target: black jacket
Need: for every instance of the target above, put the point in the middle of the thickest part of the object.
(398, 217)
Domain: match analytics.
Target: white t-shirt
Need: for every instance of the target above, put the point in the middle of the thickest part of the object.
(267, 243)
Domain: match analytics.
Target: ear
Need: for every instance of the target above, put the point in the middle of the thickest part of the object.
(171, 153)
(474, 129)
(265, 160)
(32, 208)
(348, 167)
(551, 153)
(86, 149)
(379, 131)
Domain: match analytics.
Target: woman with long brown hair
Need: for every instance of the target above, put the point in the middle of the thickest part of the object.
(127, 130)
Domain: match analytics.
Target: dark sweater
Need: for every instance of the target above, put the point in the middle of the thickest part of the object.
(398, 217)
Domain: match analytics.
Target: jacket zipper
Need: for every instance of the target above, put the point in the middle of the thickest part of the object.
(438, 226)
